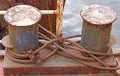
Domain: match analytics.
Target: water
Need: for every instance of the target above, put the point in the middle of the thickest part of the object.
(72, 21)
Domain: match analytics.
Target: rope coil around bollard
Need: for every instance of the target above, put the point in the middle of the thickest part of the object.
(61, 43)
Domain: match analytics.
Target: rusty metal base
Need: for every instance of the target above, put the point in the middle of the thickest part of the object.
(55, 65)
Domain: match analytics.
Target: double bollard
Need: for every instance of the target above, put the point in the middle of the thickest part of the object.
(23, 30)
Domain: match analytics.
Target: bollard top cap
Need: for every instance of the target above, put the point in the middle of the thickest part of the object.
(22, 15)
(98, 14)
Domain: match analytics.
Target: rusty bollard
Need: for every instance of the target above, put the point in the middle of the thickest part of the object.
(23, 30)
(96, 29)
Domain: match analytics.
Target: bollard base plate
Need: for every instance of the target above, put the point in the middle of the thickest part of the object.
(55, 65)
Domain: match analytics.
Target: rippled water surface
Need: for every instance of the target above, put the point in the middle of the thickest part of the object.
(72, 21)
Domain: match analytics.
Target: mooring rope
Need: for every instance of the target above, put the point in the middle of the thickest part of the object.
(62, 48)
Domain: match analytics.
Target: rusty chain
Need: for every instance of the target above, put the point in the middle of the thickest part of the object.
(62, 48)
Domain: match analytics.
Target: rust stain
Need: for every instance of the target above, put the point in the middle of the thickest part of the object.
(59, 16)
(98, 14)
(97, 24)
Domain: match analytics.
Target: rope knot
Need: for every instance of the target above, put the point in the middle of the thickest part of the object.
(60, 38)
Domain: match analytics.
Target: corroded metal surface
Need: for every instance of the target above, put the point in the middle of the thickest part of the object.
(48, 12)
(55, 65)
(98, 14)
(59, 17)
(97, 25)
(6, 42)
(22, 23)
(48, 9)
(51, 63)
(44, 12)
(66, 51)
(22, 15)
(58, 13)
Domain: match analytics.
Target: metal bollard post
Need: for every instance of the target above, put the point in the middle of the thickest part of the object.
(96, 29)
(23, 30)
